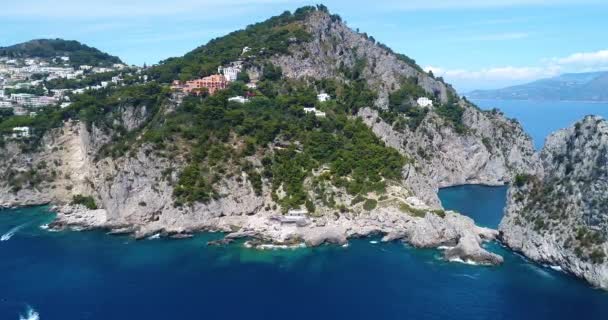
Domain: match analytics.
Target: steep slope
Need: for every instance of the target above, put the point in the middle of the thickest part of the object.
(560, 218)
(78, 53)
(453, 143)
(570, 87)
(151, 160)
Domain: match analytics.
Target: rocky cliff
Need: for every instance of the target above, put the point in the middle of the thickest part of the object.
(559, 217)
(485, 148)
(141, 164)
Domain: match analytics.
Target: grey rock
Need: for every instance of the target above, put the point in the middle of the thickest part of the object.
(559, 217)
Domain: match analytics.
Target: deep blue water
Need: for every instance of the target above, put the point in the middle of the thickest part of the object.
(540, 118)
(91, 275)
(482, 203)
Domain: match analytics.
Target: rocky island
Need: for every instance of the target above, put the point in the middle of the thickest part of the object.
(294, 131)
(559, 217)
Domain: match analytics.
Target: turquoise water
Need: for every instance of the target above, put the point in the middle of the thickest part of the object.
(91, 275)
(540, 118)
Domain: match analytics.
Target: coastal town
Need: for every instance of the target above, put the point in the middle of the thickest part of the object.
(28, 84)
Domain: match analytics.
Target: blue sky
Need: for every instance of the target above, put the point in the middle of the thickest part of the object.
(472, 43)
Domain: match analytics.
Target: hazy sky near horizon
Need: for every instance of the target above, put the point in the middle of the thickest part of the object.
(472, 43)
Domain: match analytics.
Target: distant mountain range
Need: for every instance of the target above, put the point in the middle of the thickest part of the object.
(591, 86)
(80, 54)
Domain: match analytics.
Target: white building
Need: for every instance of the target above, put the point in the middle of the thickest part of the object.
(316, 112)
(245, 50)
(21, 132)
(230, 73)
(239, 99)
(322, 97)
(251, 85)
(424, 102)
(117, 79)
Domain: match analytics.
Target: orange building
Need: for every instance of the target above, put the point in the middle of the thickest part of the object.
(212, 83)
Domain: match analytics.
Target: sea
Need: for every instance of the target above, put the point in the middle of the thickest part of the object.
(92, 275)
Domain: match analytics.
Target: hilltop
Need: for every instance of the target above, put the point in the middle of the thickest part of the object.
(79, 54)
(589, 86)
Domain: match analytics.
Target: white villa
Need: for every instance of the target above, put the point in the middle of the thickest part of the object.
(231, 72)
(239, 99)
(424, 102)
(322, 97)
(316, 112)
(21, 132)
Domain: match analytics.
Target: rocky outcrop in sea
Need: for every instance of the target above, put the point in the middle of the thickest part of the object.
(559, 217)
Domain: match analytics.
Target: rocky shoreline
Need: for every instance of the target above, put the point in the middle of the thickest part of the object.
(263, 232)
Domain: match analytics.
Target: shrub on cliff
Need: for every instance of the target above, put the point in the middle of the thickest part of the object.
(86, 201)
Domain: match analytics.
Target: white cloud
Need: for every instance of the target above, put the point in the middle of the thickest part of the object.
(585, 58)
(496, 74)
(508, 75)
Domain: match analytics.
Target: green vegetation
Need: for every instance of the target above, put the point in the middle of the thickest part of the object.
(522, 179)
(270, 139)
(79, 53)
(402, 102)
(86, 201)
(370, 204)
(265, 39)
(452, 112)
(100, 107)
(38, 90)
(406, 208)
(29, 178)
(222, 135)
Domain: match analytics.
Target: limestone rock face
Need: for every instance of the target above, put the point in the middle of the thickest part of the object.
(334, 45)
(560, 217)
(134, 191)
(490, 151)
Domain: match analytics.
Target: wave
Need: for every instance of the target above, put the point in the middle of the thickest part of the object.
(7, 236)
(470, 276)
(154, 236)
(30, 314)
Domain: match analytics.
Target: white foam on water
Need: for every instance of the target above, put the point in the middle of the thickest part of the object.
(44, 227)
(7, 236)
(373, 242)
(30, 314)
(470, 262)
(556, 268)
(539, 270)
(154, 236)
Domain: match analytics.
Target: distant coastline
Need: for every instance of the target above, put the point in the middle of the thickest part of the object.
(536, 100)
